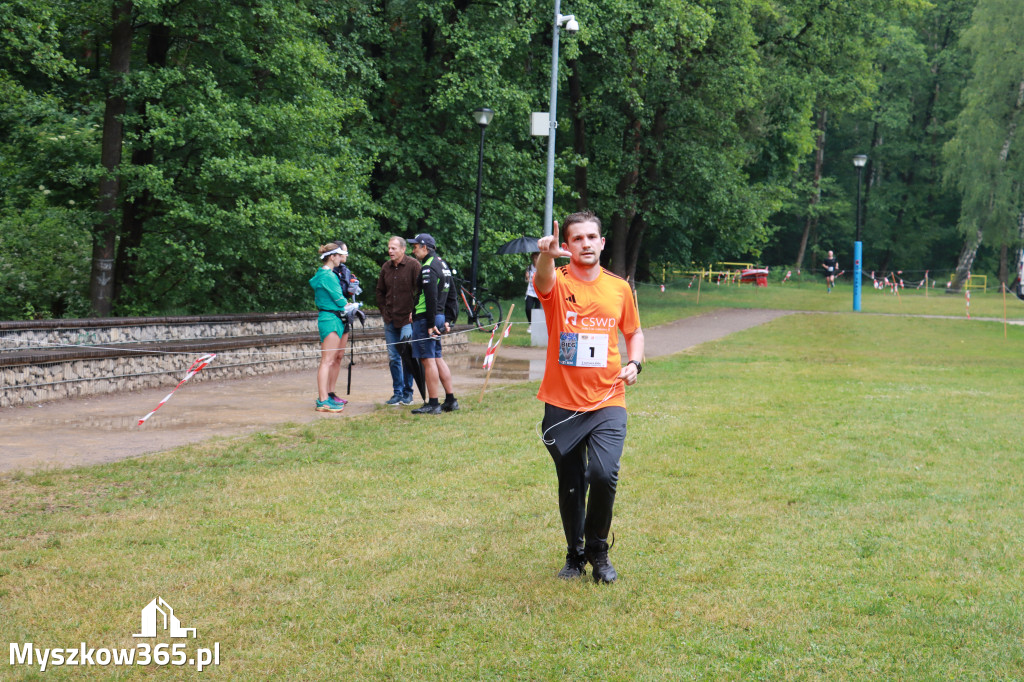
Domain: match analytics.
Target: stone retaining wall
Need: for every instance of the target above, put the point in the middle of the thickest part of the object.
(239, 354)
(35, 334)
(32, 384)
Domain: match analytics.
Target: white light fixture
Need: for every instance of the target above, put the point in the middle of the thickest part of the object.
(483, 116)
(569, 22)
(859, 160)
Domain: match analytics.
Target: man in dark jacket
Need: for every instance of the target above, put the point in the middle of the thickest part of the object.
(396, 290)
(428, 323)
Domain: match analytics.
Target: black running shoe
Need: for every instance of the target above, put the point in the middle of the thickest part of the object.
(428, 409)
(450, 406)
(575, 566)
(597, 555)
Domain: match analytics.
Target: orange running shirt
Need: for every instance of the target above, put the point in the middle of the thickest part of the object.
(583, 320)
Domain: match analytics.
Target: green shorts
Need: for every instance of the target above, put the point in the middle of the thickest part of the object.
(329, 322)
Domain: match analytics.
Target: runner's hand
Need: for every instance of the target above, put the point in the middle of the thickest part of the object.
(549, 245)
(628, 374)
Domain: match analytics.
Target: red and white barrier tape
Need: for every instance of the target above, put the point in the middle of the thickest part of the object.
(491, 348)
(198, 364)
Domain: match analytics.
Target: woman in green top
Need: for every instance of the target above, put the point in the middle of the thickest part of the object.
(330, 301)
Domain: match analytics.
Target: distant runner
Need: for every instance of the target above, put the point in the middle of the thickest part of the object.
(831, 266)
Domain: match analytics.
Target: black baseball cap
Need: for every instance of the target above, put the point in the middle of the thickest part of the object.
(424, 239)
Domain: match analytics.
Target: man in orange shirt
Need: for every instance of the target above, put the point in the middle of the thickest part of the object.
(583, 389)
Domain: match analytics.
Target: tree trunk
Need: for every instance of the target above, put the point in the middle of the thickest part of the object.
(1004, 252)
(648, 189)
(811, 223)
(1018, 276)
(885, 262)
(138, 209)
(963, 266)
(579, 134)
(101, 281)
(636, 238)
(625, 193)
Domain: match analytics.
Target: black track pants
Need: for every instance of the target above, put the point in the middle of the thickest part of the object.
(586, 451)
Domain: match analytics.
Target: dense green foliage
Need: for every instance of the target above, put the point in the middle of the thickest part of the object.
(160, 157)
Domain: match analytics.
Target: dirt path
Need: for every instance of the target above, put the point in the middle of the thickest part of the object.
(99, 429)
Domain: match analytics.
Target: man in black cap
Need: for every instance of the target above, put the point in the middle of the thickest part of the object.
(428, 324)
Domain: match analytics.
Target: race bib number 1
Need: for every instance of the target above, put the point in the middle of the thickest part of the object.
(583, 350)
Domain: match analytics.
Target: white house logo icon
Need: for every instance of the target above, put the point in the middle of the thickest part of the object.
(170, 621)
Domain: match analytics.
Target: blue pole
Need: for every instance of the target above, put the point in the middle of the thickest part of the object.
(856, 276)
(859, 160)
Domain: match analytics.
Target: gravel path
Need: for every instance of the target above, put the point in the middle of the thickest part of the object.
(98, 429)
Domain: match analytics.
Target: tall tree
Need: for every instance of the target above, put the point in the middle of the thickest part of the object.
(41, 134)
(105, 235)
(911, 219)
(437, 62)
(985, 162)
(819, 164)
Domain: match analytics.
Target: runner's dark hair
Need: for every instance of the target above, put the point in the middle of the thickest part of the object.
(579, 217)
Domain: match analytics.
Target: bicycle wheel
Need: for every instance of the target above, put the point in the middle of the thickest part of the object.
(458, 307)
(490, 311)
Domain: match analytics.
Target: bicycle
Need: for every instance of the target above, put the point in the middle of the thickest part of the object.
(481, 311)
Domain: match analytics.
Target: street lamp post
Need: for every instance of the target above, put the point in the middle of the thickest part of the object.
(483, 118)
(569, 21)
(859, 160)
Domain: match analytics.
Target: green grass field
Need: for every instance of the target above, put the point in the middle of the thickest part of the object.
(823, 497)
(813, 296)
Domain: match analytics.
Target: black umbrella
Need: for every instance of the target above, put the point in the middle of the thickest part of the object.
(519, 245)
(414, 366)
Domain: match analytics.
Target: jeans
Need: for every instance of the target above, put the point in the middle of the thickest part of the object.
(401, 377)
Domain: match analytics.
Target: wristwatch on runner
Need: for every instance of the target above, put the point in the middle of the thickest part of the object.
(639, 367)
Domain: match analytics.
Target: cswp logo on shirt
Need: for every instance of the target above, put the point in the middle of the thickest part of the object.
(157, 618)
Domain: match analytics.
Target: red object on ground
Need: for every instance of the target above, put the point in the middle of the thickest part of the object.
(756, 276)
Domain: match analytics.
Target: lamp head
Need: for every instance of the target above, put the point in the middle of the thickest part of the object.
(569, 22)
(483, 116)
(859, 160)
